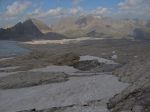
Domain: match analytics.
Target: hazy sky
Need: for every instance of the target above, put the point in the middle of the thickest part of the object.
(12, 11)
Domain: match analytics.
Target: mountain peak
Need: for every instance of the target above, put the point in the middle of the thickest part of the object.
(39, 24)
(29, 30)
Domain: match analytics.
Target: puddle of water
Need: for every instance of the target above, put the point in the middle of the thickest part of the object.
(10, 48)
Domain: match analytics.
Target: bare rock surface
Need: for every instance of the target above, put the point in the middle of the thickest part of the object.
(44, 98)
(28, 79)
(94, 106)
(135, 98)
(77, 90)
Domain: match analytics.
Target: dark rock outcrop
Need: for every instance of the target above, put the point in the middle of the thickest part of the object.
(141, 34)
(67, 59)
(87, 65)
(82, 22)
(21, 31)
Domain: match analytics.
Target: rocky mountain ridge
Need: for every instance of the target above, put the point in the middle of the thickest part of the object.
(29, 30)
(105, 27)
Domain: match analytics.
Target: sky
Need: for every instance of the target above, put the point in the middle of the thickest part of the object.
(13, 11)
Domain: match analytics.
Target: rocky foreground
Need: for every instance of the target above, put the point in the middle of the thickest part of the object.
(83, 85)
(133, 68)
(136, 97)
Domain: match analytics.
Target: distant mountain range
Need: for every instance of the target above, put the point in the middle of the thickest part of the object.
(74, 27)
(105, 27)
(29, 30)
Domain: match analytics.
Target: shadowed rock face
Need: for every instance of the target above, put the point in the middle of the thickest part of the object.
(148, 23)
(87, 65)
(28, 27)
(81, 22)
(141, 34)
(138, 34)
(54, 36)
(21, 31)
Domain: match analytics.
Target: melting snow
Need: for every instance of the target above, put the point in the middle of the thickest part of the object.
(63, 41)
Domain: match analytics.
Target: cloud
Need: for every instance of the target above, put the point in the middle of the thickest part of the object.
(16, 8)
(76, 2)
(135, 7)
(76, 10)
(64, 12)
(51, 12)
(56, 12)
(101, 11)
(134, 4)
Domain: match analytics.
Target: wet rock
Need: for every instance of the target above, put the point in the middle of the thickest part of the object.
(95, 66)
(87, 65)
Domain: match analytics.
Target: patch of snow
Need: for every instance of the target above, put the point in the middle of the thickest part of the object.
(63, 41)
(113, 52)
(9, 68)
(101, 60)
(4, 59)
(135, 56)
(114, 56)
(78, 90)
